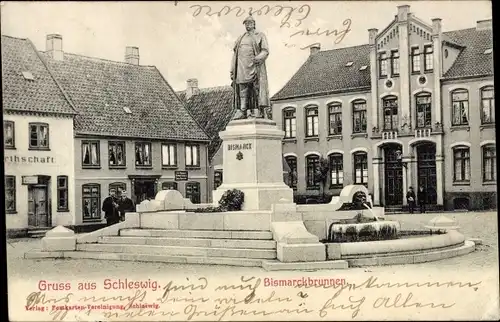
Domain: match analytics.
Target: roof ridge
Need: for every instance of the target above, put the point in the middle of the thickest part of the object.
(17, 38)
(103, 60)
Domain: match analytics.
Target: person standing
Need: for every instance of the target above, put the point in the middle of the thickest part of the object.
(110, 208)
(422, 198)
(125, 204)
(410, 198)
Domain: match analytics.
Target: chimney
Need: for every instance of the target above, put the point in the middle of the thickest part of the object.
(315, 48)
(436, 26)
(132, 55)
(53, 46)
(403, 12)
(484, 24)
(192, 87)
(372, 35)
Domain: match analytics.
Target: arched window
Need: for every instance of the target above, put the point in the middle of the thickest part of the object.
(91, 201)
(113, 187)
(423, 109)
(289, 122)
(169, 185)
(461, 164)
(312, 121)
(335, 118)
(359, 116)
(489, 163)
(360, 168)
(460, 104)
(487, 105)
(312, 166)
(390, 104)
(292, 175)
(336, 170)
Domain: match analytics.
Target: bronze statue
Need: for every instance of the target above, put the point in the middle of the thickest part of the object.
(249, 75)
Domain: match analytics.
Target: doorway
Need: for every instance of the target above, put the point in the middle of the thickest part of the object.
(38, 210)
(426, 164)
(393, 176)
(144, 190)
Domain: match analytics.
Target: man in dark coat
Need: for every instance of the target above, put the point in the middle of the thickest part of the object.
(422, 198)
(110, 208)
(125, 204)
(410, 198)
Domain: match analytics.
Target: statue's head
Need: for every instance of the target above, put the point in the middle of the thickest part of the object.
(249, 23)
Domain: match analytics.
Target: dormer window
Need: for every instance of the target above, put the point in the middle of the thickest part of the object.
(488, 51)
(28, 76)
(363, 67)
(127, 110)
(349, 64)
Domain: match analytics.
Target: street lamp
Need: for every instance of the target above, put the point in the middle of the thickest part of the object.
(399, 158)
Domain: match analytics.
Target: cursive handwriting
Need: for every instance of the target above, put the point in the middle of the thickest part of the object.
(220, 312)
(339, 34)
(201, 285)
(371, 283)
(297, 14)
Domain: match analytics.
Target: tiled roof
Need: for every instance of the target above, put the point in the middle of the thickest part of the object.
(213, 109)
(472, 61)
(326, 72)
(101, 91)
(42, 94)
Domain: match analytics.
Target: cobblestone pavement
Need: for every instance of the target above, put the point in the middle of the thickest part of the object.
(481, 225)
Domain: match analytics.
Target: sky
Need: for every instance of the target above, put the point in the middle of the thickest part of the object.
(191, 40)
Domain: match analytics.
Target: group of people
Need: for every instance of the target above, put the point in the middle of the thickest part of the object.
(412, 199)
(116, 205)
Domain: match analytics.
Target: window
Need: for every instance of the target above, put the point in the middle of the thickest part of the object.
(143, 154)
(9, 134)
(335, 118)
(10, 194)
(312, 121)
(169, 155)
(217, 178)
(91, 197)
(349, 64)
(289, 123)
(382, 58)
(39, 136)
(312, 165)
(460, 103)
(90, 154)
(336, 170)
(461, 161)
(428, 62)
(193, 192)
(488, 51)
(489, 163)
(423, 102)
(292, 164)
(113, 187)
(169, 186)
(62, 193)
(395, 63)
(487, 105)
(359, 117)
(415, 60)
(117, 154)
(28, 75)
(361, 168)
(390, 113)
(192, 155)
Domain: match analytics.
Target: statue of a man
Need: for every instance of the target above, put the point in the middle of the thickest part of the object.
(248, 73)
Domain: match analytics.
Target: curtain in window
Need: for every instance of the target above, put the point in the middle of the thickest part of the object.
(86, 154)
(94, 153)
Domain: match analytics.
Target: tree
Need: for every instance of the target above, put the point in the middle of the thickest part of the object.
(321, 175)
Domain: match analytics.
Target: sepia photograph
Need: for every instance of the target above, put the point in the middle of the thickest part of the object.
(249, 160)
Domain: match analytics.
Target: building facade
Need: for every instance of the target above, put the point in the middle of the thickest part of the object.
(38, 133)
(414, 107)
(132, 131)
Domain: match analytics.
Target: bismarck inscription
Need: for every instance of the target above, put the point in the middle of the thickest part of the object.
(240, 146)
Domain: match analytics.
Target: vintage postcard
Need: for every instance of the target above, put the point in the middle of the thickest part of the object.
(250, 161)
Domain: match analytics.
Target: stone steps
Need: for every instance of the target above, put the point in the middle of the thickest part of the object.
(179, 250)
(212, 234)
(190, 242)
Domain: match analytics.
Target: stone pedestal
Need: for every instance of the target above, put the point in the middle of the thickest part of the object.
(253, 163)
(59, 239)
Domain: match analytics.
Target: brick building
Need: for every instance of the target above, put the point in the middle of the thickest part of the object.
(414, 106)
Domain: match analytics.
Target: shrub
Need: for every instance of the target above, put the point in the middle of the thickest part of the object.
(231, 200)
(303, 199)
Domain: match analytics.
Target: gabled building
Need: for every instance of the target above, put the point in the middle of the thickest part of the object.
(132, 131)
(413, 107)
(38, 141)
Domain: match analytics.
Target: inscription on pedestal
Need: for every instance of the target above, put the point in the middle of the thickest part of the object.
(239, 146)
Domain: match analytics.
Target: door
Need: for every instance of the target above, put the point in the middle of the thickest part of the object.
(38, 214)
(144, 189)
(393, 179)
(193, 191)
(426, 163)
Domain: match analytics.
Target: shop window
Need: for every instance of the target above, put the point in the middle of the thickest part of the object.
(193, 192)
(169, 186)
(91, 199)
